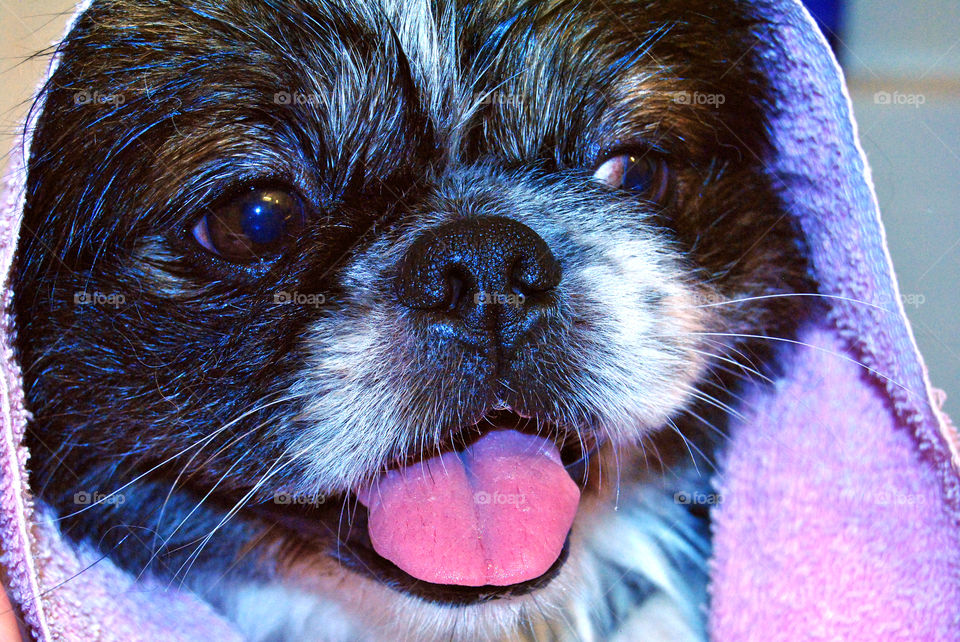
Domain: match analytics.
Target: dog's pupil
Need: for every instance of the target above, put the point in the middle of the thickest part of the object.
(255, 225)
(264, 218)
(639, 175)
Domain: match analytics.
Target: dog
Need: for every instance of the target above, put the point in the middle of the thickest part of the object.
(379, 319)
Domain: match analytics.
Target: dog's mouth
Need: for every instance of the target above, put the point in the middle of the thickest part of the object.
(486, 515)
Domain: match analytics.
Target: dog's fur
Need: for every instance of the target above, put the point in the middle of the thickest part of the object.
(198, 392)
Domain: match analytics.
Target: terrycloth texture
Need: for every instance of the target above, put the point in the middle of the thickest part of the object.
(841, 488)
(841, 492)
(830, 530)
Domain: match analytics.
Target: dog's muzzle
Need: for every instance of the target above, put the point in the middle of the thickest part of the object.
(496, 511)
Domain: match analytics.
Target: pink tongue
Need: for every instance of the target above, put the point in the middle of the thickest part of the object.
(497, 513)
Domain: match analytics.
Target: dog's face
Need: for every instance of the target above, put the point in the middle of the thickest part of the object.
(286, 250)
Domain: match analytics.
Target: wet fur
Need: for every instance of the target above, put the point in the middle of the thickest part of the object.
(186, 395)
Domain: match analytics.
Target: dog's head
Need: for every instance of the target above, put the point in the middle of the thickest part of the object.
(291, 267)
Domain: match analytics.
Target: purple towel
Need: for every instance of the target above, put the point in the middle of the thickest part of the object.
(841, 511)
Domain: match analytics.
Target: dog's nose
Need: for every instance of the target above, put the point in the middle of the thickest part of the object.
(489, 278)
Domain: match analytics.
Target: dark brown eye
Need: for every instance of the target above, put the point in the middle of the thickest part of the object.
(255, 225)
(647, 174)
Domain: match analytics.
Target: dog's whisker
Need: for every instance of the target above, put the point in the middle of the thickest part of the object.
(584, 456)
(749, 361)
(235, 439)
(616, 456)
(717, 431)
(112, 494)
(733, 362)
(237, 507)
(833, 353)
(686, 443)
(716, 403)
(156, 533)
(343, 509)
(210, 492)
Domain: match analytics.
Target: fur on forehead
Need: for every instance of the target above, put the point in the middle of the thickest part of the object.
(391, 84)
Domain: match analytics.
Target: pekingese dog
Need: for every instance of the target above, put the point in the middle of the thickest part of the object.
(380, 319)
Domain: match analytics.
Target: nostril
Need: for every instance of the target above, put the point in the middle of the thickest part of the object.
(458, 281)
(520, 282)
(535, 272)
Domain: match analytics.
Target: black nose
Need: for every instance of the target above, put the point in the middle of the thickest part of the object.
(487, 277)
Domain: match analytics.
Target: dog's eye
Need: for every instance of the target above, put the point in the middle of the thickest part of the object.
(253, 226)
(647, 175)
